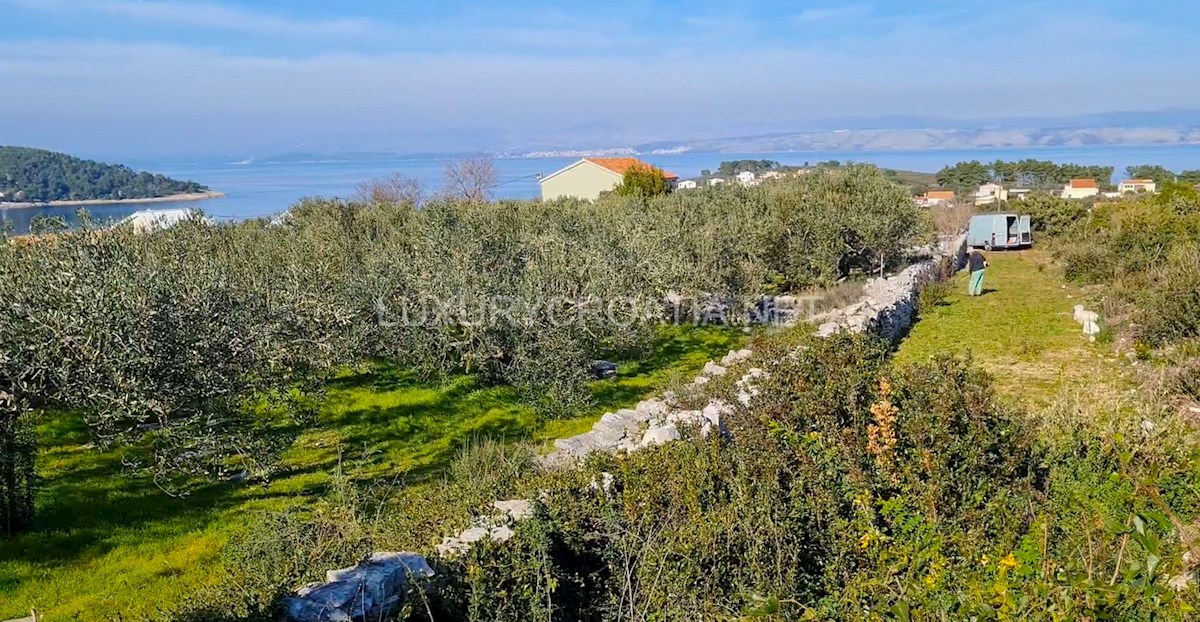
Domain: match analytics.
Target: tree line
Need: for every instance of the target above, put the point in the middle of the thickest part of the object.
(37, 175)
(202, 348)
(965, 177)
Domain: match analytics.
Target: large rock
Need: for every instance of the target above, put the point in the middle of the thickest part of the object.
(736, 356)
(372, 590)
(517, 509)
(660, 435)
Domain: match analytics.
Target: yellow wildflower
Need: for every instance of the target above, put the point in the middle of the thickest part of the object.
(867, 540)
(1008, 562)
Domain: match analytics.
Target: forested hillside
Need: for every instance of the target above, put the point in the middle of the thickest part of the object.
(37, 175)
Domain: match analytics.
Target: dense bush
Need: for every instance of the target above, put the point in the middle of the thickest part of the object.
(1145, 247)
(850, 481)
(860, 491)
(1054, 216)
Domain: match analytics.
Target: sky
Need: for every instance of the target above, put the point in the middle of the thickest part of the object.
(156, 78)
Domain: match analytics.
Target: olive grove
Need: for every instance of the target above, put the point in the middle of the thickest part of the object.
(200, 348)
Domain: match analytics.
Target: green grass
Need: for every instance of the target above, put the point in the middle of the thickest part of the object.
(1021, 330)
(110, 544)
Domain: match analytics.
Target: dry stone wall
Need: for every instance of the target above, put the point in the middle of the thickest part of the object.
(887, 308)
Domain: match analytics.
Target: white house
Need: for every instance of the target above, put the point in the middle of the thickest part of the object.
(687, 184)
(590, 177)
(1138, 185)
(990, 193)
(745, 178)
(151, 219)
(1080, 189)
(716, 181)
(1018, 194)
(770, 175)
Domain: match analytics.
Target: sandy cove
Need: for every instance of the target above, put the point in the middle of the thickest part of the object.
(188, 196)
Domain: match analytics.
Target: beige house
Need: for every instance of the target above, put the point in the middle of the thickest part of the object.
(590, 177)
(1138, 185)
(1080, 189)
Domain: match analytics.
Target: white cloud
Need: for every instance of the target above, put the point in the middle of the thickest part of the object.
(202, 15)
(825, 14)
(561, 73)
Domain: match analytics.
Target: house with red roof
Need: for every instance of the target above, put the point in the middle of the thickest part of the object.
(935, 197)
(1080, 189)
(590, 177)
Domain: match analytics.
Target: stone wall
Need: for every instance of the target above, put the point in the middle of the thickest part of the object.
(887, 308)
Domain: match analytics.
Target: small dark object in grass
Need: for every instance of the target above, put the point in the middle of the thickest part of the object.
(604, 369)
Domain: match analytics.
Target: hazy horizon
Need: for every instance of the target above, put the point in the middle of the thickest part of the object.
(142, 78)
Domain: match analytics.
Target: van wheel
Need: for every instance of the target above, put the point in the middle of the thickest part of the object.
(987, 246)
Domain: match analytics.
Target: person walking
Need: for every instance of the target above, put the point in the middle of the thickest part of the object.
(977, 264)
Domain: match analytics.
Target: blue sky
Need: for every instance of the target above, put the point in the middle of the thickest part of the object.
(162, 78)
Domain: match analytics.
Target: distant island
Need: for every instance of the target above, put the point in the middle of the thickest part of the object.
(33, 177)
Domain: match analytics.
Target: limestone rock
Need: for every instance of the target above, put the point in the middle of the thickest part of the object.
(736, 356)
(660, 435)
(474, 534)
(517, 509)
(371, 590)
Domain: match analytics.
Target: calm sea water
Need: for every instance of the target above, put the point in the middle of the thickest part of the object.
(263, 189)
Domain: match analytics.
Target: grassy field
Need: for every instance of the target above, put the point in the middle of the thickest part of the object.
(1021, 330)
(111, 545)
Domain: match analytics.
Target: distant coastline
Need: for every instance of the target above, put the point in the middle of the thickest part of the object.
(187, 196)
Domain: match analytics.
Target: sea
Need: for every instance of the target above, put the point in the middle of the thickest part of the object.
(262, 189)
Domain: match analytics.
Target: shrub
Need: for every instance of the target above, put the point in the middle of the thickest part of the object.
(843, 461)
(933, 295)
(1054, 216)
(1169, 307)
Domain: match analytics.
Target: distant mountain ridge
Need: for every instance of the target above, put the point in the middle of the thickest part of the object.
(922, 139)
(880, 133)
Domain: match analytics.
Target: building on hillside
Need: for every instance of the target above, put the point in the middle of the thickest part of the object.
(152, 219)
(1138, 185)
(990, 193)
(687, 184)
(590, 177)
(716, 181)
(1018, 194)
(770, 175)
(935, 197)
(746, 178)
(1080, 189)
